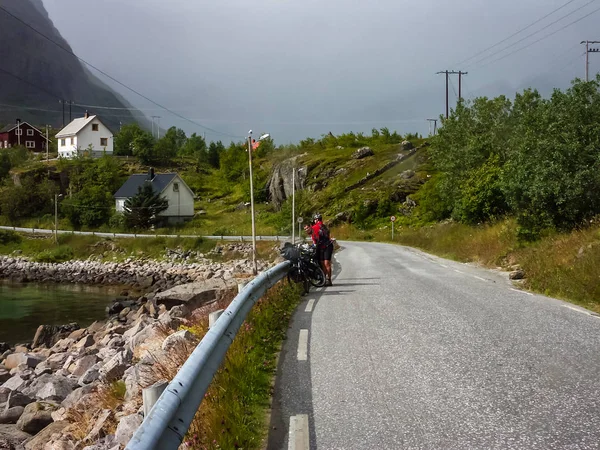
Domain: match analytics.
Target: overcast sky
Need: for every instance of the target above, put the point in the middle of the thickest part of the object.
(298, 68)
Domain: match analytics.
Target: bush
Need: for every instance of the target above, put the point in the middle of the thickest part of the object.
(9, 237)
(59, 254)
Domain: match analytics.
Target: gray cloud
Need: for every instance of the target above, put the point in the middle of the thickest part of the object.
(298, 68)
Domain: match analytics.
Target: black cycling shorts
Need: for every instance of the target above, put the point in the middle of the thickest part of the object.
(325, 254)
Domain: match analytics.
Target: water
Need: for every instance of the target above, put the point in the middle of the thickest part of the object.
(24, 307)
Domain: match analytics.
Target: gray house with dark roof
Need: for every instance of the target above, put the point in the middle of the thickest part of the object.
(170, 185)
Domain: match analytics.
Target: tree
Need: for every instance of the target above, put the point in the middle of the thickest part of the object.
(175, 138)
(143, 147)
(214, 154)
(195, 146)
(5, 165)
(142, 210)
(125, 137)
(164, 151)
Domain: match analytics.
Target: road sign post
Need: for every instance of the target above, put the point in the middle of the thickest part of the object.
(393, 219)
(300, 220)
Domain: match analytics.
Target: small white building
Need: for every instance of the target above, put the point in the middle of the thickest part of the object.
(170, 185)
(85, 136)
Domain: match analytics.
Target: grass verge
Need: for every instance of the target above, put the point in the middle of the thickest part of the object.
(232, 415)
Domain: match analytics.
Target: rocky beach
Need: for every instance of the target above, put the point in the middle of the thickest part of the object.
(80, 388)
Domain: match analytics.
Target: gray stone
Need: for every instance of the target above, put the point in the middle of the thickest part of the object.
(176, 339)
(74, 397)
(17, 399)
(12, 435)
(107, 443)
(82, 365)
(115, 367)
(53, 362)
(116, 342)
(85, 342)
(63, 345)
(4, 375)
(145, 282)
(15, 383)
(135, 329)
(4, 394)
(17, 359)
(77, 334)
(193, 295)
(407, 174)
(48, 335)
(11, 415)
(517, 275)
(407, 145)
(36, 417)
(127, 427)
(362, 153)
(43, 436)
(97, 430)
(51, 388)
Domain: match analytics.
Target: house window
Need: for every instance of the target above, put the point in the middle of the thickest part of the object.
(63, 142)
(94, 127)
(30, 144)
(72, 141)
(5, 144)
(103, 142)
(29, 132)
(19, 132)
(175, 187)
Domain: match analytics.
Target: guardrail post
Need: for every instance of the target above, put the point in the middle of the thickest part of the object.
(151, 394)
(213, 317)
(241, 286)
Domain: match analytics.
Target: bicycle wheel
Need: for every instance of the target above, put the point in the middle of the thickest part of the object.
(317, 276)
(306, 285)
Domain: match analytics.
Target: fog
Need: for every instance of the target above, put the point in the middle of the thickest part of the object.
(304, 68)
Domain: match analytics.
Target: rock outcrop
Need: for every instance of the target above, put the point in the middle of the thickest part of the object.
(280, 185)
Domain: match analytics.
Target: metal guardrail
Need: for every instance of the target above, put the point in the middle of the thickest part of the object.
(166, 425)
(136, 235)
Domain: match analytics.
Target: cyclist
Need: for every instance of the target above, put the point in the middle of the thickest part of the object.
(319, 232)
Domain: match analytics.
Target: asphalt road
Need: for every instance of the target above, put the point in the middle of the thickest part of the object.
(410, 351)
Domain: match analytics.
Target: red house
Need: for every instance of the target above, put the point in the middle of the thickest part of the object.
(25, 134)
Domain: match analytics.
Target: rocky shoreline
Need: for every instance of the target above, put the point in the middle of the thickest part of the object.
(81, 388)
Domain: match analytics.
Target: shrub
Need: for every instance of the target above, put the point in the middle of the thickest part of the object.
(9, 237)
(59, 254)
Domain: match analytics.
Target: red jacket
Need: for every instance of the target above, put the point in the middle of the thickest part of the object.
(316, 228)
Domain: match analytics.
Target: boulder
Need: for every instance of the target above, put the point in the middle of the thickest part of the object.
(362, 153)
(115, 367)
(407, 174)
(82, 365)
(15, 383)
(77, 334)
(48, 335)
(4, 375)
(407, 145)
(280, 185)
(12, 436)
(107, 443)
(43, 436)
(4, 394)
(36, 417)
(127, 427)
(11, 415)
(17, 359)
(74, 397)
(193, 295)
(53, 362)
(97, 430)
(21, 349)
(91, 375)
(176, 339)
(145, 282)
(84, 342)
(51, 387)
(17, 399)
(62, 345)
(517, 275)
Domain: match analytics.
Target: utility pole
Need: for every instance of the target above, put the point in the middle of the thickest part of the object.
(62, 102)
(70, 111)
(158, 126)
(294, 205)
(47, 147)
(19, 132)
(254, 268)
(589, 50)
(434, 126)
(448, 73)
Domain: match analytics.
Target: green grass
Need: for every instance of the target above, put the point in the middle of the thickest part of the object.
(232, 415)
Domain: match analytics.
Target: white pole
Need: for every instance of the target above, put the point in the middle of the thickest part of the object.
(254, 268)
(294, 206)
(56, 218)
(392, 231)
(19, 132)
(47, 146)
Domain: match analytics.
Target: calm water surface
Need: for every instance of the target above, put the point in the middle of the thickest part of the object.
(24, 307)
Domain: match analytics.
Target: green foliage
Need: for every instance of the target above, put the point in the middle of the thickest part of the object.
(5, 165)
(142, 210)
(32, 198)
(143, 147)
(536, 158)
(215, 151)
(9, 237)
(125, 137)
(59, 254)
(195, 146)
(234, 162)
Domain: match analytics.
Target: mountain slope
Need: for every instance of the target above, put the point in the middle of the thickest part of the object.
(40, 74)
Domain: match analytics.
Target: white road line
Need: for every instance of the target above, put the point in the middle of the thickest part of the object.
(576, 309)
(458, 271)
(303, 345)
(479, 278)
(309, 305)
(444, 266)
(299, 437)
(522, 292)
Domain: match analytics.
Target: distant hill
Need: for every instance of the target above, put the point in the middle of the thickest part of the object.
(48, 74)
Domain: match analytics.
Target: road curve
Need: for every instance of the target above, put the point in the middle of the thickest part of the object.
(410, 351)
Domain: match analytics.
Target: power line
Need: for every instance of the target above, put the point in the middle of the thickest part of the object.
(62, 47)
(516, 33)
(542, 38)
(533, 34)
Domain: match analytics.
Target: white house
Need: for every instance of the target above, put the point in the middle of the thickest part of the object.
(83, 134)
(169, 185)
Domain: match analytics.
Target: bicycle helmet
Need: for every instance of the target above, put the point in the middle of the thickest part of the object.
(317, 217)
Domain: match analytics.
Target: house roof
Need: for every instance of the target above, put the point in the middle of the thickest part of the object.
(75, 127)
(11, 127)
(130, 188)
